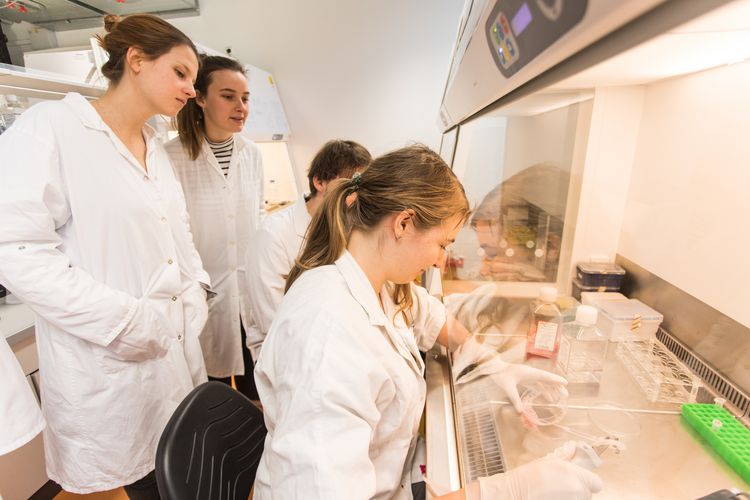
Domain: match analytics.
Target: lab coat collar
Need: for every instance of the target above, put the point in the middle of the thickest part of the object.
(363, 293)
(361, 288)
(90, 118)
(300, 217)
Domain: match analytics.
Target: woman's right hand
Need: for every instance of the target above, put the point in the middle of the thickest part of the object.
(544, 478)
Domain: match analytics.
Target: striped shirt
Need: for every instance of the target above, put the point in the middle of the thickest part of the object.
(223, 153)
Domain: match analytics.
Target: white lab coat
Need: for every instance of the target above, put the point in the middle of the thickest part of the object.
(270, 256)
(20, 417)
(342, 386)
(101, 252)
(224, 213)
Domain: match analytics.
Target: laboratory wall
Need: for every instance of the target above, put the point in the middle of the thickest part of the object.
(371, 71)
(687, 208)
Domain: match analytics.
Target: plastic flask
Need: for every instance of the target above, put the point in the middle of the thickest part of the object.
(583, 350)
(544, 325)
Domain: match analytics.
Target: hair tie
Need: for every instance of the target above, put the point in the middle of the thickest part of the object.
(355, 181)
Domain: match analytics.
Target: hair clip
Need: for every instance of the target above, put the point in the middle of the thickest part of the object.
(355, 181)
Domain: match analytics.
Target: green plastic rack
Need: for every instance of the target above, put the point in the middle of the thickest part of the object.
(730, 439)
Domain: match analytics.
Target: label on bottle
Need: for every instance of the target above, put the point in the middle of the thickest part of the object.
(546, 333)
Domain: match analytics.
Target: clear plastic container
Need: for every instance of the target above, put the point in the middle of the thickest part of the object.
(544, 325)
(628, 320)
(583, 350)
(593, 298)
(658, 372)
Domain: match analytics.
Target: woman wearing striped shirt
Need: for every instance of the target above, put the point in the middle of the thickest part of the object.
(222, 176)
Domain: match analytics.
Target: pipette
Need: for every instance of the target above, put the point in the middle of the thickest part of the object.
(596, 408)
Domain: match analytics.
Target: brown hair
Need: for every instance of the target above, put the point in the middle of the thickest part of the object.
(190, 124)
(412, 178)
(153, 35)
(336, 159)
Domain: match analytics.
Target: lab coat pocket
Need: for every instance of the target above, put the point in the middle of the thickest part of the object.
(148, 335)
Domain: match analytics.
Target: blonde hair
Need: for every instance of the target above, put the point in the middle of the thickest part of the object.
(412, 178)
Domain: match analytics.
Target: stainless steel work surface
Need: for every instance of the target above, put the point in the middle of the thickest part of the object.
(663, 457)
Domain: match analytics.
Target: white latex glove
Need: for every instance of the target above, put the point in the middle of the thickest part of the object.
(467, 308)
(506, 375)
(544, 478)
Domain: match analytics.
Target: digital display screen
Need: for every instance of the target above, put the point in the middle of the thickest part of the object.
(521, 19)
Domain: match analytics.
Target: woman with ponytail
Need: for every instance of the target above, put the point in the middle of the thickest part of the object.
(340, 374)
(221, 173)
(94, 239)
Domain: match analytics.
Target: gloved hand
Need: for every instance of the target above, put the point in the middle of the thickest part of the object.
(544, 478)
(506, 375)
(470, 309)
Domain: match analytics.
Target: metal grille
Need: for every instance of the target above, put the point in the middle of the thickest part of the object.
(480, 439)
(726, 389)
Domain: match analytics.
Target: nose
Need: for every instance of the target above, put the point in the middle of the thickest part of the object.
(190, 91)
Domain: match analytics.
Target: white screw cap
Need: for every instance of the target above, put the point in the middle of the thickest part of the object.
(586, 315)
(548, 294)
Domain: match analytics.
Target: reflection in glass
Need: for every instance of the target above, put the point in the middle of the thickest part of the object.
(516, 172)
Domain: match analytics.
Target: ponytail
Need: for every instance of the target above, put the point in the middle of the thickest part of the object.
(328, 234)
(412, 178)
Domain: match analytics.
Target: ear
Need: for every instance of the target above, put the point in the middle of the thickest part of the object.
(134, 59)
(200, 99)
(320, 186)
(403, 222)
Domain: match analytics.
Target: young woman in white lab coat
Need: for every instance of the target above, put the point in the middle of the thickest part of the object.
(94, 238)
(340, 375)
(275, 246)
(221, 173)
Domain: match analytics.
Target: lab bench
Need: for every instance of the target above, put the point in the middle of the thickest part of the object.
(470, 435)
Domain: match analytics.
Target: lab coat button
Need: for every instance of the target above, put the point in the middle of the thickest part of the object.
(174, 298)
(179, 336)
(164, 219)
(170, 261)
(145, 177)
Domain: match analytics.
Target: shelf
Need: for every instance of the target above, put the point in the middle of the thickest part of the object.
(39, 84)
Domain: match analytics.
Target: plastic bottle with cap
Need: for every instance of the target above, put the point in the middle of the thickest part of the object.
(583, 350)
(545, 323)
